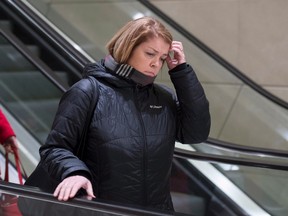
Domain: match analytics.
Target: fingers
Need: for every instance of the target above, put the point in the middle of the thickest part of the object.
(8, 149)
(61, 188)
(64, 192)
(89, 191)
(177, 46)
(177, 55)
(69, 187)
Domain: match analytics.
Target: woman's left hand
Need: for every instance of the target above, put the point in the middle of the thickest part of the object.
(68, 188)
(177, 56)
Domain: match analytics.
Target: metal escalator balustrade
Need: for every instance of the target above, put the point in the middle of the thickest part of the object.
(255, 185)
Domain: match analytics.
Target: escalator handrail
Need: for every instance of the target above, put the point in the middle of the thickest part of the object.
(181, 153)
(102, 205)
(245, 79)
(126, 210)
(247, 149)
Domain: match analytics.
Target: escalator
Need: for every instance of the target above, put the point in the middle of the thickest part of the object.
(34, 75)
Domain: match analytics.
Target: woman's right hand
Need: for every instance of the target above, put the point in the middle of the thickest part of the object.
(71, 185)
(178, 55)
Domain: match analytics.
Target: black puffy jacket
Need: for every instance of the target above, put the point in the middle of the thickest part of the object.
(132, 135)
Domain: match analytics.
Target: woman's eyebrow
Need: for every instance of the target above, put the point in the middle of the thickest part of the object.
(166, 54)
(154, 49)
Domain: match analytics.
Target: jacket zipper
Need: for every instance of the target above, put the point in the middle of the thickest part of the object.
(144, 192)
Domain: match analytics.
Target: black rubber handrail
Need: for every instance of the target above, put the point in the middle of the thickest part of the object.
(261, 163)
(214, 55)
(247, 149)
(97, 204)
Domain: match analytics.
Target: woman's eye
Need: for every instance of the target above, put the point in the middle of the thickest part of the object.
(150, 54)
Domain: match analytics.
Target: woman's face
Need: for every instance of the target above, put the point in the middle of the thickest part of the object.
(149, 56)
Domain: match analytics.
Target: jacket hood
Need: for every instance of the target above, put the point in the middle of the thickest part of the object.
(98, 70)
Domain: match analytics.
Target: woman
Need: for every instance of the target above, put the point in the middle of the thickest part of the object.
(135, 125)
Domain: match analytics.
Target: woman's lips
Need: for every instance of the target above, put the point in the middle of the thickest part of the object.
(149, 73)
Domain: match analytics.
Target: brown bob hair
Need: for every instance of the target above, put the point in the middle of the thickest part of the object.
(134, 33)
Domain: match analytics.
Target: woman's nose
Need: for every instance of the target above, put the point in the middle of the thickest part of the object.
(155, 63)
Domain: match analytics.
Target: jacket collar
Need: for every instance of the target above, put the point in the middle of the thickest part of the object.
(127, 72)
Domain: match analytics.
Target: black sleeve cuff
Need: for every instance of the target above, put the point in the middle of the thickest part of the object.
(80, 173)
(179, 68)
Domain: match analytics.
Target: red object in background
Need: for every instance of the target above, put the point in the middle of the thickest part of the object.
(6, 130)
(8, 202)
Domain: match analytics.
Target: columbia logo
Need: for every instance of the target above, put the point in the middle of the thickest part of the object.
(155, 107)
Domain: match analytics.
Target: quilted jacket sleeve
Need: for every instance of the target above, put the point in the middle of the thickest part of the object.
(57, 154)
(193, 107)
